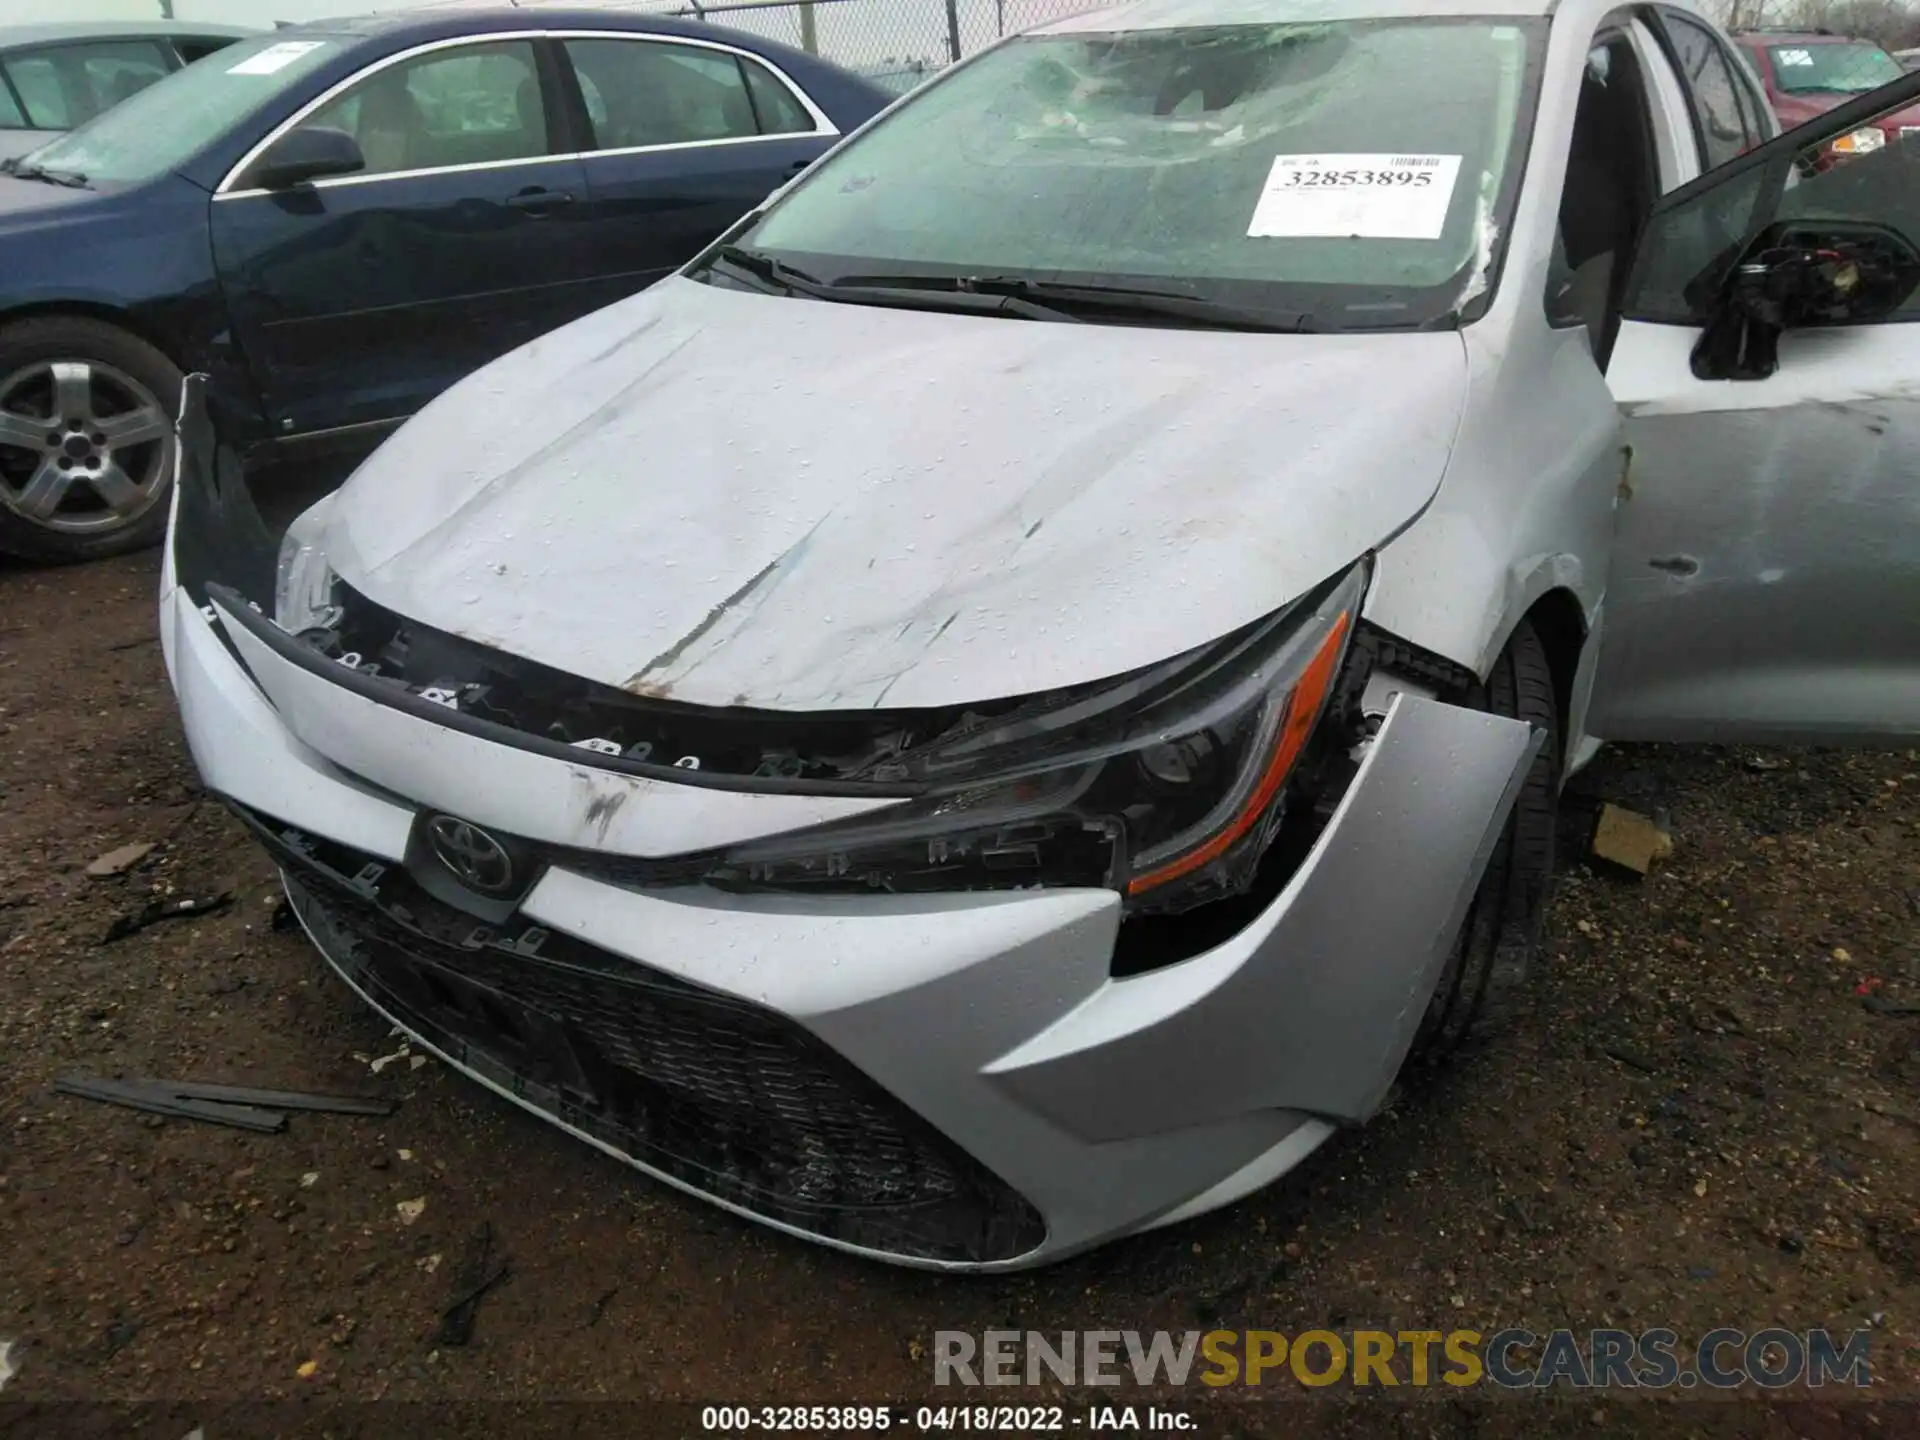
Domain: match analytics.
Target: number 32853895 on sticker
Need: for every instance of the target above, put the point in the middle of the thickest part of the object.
(1377, 197)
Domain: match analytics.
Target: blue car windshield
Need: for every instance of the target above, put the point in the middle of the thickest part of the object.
(169, 122)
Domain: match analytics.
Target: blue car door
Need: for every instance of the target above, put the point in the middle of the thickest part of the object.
(357, 299)
(686, 136)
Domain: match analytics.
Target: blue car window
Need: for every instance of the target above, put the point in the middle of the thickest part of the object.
(478, 104)
(37, 80)
(68, 85)
(115, 73)
(166, 124)
(777, 108)
(641, 92)
(12, 117)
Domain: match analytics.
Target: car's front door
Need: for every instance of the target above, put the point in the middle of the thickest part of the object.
(359, 298)
(686, 138)
(1765, 579)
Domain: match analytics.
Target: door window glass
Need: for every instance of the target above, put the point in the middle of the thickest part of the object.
(1691, 248)
(1609, 189)
(12, 117)
(36, 79)
(1754, 109)
(475, 105)
(1881, 186)
(164, 126)
(1708, 75)
(113, 74)
(641, 92)
(67, 86)
(777, 108)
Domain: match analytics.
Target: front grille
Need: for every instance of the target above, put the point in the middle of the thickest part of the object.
(726, 1097)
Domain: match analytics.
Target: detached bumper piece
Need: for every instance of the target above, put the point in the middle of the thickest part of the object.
(731, 1100)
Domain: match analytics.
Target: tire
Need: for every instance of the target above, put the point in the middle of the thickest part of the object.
(86, 439)
(1487, 969)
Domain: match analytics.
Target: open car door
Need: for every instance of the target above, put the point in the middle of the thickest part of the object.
(1765, 578)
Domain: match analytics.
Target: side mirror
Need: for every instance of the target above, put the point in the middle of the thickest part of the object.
(1801, 274)
(310, 153)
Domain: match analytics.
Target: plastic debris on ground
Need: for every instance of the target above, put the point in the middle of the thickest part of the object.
(241, 1107)
(154, 911)
(480, 1270)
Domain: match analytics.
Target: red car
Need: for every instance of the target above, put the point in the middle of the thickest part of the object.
(1807, 73)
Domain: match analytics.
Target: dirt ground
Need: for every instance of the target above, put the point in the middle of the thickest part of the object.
(1710, 1117)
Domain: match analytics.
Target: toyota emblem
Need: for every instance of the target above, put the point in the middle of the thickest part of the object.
(471, 855)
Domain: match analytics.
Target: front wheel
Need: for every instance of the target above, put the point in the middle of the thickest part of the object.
(1487, 969)
(86, 439)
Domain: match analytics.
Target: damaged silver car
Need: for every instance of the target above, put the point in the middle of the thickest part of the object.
(1006, 702)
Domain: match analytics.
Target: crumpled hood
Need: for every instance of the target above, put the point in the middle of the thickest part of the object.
(738, 499)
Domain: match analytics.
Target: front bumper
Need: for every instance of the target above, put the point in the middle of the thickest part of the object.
(951, 1081)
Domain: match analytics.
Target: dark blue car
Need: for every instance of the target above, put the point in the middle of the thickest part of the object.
(339, 220)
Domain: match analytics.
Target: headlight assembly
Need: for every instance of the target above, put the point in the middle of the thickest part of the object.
(1167, 786)
(304, 583)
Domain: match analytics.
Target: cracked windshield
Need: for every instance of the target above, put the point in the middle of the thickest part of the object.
(1354, 173)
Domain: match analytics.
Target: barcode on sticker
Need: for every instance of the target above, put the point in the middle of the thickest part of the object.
(1417, 161)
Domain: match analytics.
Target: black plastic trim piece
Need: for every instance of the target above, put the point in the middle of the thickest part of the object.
(383, 692)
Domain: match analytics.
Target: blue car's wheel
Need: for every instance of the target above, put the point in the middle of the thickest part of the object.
(86, 439)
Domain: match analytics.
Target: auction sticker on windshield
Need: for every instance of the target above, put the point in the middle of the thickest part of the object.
(1380, 197)
(275, 57)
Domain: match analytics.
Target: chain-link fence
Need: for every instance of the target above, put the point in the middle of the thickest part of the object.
(899, 43)
(896, 43)
(1878, 30)
(1891, 24)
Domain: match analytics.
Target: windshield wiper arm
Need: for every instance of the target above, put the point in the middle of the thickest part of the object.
(1138, 300)
(861, 291)
(767, 270)
(72, 179)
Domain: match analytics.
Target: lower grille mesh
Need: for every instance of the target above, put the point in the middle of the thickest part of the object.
(728, 1098)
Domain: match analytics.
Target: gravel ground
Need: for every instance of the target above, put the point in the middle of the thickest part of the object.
(1709, 1116)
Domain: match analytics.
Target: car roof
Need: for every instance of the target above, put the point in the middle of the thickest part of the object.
(454, 17)
(1180, 14)
(13, 37)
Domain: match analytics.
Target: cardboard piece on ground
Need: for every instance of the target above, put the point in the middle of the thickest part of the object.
(118, 862)
(1630, 840)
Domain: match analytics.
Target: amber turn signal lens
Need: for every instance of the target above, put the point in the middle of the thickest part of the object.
(1303, 711)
